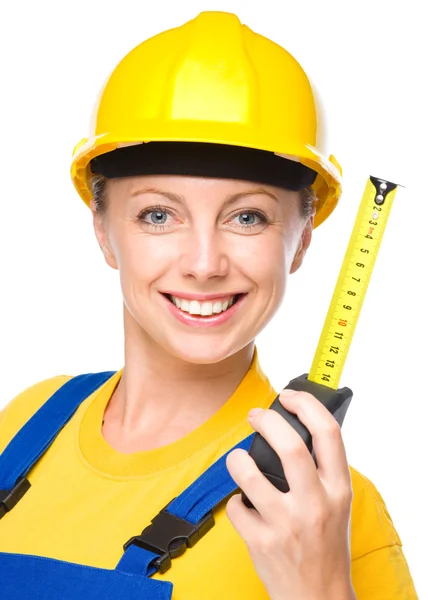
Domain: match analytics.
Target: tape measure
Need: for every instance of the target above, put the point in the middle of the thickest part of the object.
(352, 283)
(323, 379)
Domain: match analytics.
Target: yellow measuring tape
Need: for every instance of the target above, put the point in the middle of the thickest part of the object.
(352, 283)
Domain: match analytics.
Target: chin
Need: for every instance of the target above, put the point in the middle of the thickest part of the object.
(203, 356)
(204, 352)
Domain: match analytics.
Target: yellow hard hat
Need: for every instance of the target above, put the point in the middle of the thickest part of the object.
(211, 80)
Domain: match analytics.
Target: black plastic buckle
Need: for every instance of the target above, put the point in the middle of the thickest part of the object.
(170, 536)
(8, 499)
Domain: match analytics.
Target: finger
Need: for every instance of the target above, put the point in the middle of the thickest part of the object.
(264, 496)
(297, 462)
(326, 435)
(248, 523)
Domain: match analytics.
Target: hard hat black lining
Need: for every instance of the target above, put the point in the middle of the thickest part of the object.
(204, 160)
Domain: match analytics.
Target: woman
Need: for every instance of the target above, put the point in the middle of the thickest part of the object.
(204, 221)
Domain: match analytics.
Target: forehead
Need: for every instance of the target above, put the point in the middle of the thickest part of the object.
(186, 187)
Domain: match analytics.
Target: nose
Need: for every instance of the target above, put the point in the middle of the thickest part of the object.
(203, 255)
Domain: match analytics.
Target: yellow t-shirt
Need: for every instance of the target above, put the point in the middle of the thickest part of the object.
(86, 500)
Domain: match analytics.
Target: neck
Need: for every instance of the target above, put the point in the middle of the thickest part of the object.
(161, 398)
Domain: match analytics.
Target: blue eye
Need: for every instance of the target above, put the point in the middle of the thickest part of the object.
(247, 218)
(155, 217)
(250, 219)
(158, 217)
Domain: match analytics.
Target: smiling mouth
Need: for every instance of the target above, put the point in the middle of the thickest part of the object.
(207, 308)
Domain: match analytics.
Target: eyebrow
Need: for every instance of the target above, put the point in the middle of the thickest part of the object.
(229, 200)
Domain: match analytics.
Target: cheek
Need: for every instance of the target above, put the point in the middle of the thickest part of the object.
(264, 259)
(142, 258)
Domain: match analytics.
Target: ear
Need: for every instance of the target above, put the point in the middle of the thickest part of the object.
(305, 240)
(99, 223)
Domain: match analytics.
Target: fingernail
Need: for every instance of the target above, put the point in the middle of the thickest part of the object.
(288, 392)
(253, 412)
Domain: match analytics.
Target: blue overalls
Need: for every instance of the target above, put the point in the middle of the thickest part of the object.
(179, 525)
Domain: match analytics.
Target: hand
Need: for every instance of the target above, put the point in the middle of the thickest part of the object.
(298, 541)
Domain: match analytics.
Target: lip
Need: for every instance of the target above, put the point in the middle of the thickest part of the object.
(197, 320)
(200, 297)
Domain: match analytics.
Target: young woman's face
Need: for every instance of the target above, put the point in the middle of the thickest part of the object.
(188, 247)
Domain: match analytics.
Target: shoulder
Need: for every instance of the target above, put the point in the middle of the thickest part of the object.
(379, 568)
(371, 524)
(21, 408)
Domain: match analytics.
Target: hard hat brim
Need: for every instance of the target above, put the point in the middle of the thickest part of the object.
(327, 185)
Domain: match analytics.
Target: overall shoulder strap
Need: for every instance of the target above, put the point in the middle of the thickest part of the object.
(178, 526)
(38, 433)
(182, 522)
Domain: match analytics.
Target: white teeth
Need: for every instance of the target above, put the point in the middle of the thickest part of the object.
(202, 308)
(217, 308)
(194, 307)
(207, 309)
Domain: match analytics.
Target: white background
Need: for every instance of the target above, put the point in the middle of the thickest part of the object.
(60, 304)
